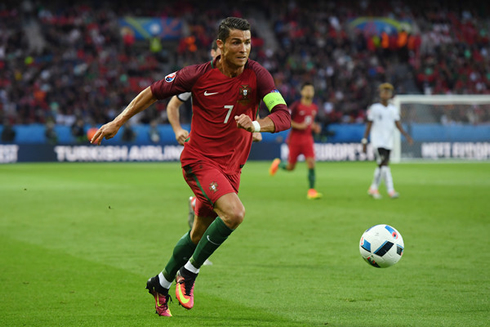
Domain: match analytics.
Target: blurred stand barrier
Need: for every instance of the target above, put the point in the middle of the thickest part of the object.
(431, 142)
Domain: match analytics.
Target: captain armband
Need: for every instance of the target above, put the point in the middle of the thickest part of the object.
(273, 99)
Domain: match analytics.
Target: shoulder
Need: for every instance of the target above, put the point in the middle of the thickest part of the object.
(255, 66)
(392, 107)
(259, 70)
(294, 105)
(195, 71)
(373, 107)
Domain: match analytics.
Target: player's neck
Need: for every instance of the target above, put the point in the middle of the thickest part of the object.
(229, 69)
(384, 103)
(306, 101)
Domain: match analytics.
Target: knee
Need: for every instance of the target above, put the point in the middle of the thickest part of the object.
(235, 217)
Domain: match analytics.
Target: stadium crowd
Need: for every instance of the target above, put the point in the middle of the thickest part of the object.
(62, 63)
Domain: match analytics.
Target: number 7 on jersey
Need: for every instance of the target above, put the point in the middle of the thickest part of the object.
(230, 108)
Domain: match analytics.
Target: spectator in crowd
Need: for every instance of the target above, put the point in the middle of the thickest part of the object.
(153, 131)
(8, 132)
(78, 131)
(128, 134)
(50, 133)
(75, 59)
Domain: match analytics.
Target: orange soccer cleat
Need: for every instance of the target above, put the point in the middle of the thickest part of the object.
(161, 299)
(274, 166)
(184, 289)
(313, 194)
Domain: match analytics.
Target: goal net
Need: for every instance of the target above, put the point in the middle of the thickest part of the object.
(443, 127)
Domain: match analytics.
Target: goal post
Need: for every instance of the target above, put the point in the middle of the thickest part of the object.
(434, 118)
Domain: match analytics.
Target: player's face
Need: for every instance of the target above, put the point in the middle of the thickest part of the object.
(236, 49)
(308, 92)
(385, 94)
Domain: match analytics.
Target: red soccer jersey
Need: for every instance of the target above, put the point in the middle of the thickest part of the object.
(302, 113)
(217, 99)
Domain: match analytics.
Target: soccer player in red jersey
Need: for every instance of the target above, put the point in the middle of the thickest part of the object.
(300, 139)
(226, 95)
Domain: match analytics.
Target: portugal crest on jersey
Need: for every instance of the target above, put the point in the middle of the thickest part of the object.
(213, 187)
(244, 93)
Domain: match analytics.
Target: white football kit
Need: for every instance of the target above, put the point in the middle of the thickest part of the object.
(382, 130)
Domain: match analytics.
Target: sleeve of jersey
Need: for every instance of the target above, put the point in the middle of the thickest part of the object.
(279, 112)
(177, 82)
(370, 113)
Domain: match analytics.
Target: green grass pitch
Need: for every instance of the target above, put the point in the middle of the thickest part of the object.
(78, 242)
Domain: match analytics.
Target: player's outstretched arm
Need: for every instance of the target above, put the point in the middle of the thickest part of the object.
(142, 101)
(407, 136)
(174, 119)
(364, 140)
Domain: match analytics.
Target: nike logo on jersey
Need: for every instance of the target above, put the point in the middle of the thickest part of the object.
(206, 93)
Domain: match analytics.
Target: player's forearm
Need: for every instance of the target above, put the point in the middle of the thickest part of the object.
(173, 116)
(400, 128)
(280, 118)
(142, 101)
(299, 126)
(368, 129)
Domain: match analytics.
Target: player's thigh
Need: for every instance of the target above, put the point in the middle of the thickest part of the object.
(294, 152)
(208, 184)
(382, 156)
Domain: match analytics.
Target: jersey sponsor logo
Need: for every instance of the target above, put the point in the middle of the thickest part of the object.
(170, 77)
(206, 93)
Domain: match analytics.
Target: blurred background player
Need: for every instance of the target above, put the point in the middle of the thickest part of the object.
(300, 139)
(382, 119)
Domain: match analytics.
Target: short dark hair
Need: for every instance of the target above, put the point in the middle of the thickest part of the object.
(306, 84)
(214, 45)
(231, 23)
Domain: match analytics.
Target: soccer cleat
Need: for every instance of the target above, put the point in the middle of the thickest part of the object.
(161, 296)
(192, 207)
(394, 194)
(374, 194)
(313, 194)
(184, 288)
(274, 166)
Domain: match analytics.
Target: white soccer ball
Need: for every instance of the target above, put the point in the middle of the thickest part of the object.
(381, 246)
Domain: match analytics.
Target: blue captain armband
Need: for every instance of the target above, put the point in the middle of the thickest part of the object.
(273, 99)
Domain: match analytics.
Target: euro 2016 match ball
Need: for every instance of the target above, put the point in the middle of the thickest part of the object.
(381, 246)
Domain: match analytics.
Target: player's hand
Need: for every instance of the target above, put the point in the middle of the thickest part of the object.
(316, 128)
(181, 135)
(409, 140)
(257, 137)
(245, 122)
(106, 131)
(301, 126)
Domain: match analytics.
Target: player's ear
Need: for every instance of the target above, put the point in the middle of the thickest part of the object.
(219, 43)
